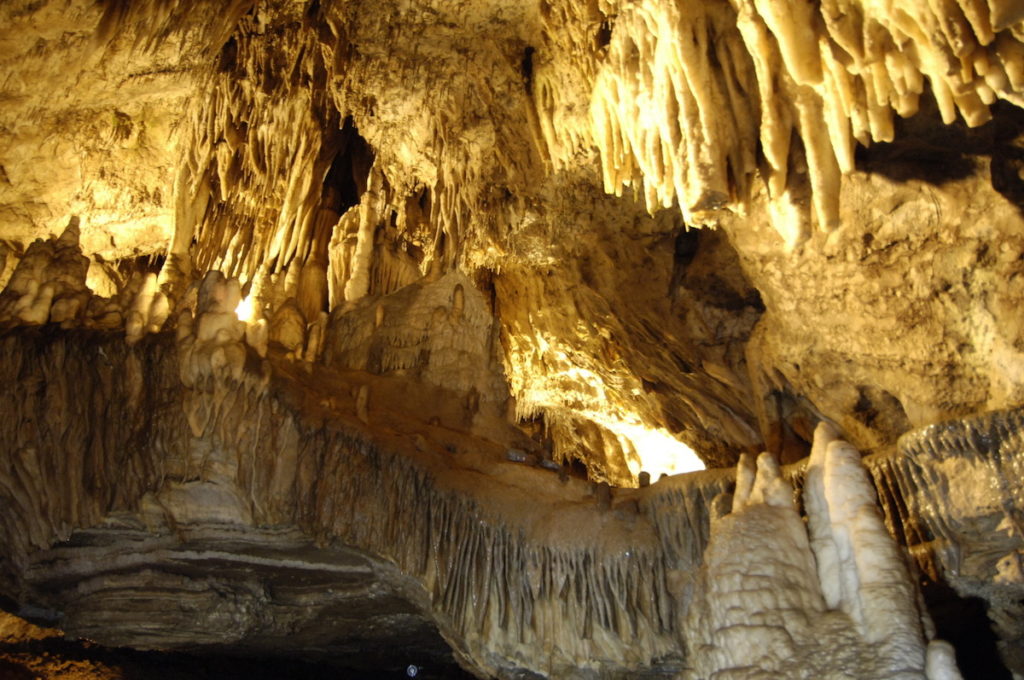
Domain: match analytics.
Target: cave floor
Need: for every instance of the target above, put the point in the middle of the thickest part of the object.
(28, 652)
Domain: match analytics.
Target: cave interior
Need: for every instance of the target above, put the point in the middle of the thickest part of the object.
(512, 339)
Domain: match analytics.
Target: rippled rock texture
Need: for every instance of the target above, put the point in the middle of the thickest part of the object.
(692, 228)
(212, 538)
(352, 326)
(299, 530)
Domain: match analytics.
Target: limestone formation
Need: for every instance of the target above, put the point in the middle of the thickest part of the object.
(832, 599)
(334, 327)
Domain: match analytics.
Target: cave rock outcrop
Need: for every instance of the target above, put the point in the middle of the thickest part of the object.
(328, 326)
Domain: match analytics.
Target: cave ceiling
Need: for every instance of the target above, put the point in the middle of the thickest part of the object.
(607, 240)
(699, 226)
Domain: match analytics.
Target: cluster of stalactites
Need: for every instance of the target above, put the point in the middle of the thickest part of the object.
(257, 153)
(662, 110)
(259, 191)
(689, 89)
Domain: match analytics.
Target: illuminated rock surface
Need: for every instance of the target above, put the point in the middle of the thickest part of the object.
(334, 328)
(832, 599)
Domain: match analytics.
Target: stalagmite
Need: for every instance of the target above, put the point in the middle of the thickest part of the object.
(34, 307)
(257, 335)
(359, 278)
(362, 404)
(374, 322)
(833, 598)
(317, 331)
(210, 343)
(149, 311)
(49, 270)
(288, 327)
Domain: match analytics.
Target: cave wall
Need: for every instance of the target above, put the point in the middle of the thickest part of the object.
(268, 511)
(604, 239)
(558, 155)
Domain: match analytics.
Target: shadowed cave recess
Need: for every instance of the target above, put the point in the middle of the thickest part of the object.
(512, 339)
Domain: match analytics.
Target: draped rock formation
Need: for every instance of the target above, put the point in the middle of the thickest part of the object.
(332, 328)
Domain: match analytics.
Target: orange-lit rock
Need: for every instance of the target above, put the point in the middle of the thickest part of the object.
(424, 288)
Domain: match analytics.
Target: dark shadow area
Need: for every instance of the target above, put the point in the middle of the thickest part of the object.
(685, 246)
(963, 622)
(881, 411)
(151, 263)
(927, 150)
(603, 38)
(1007, 158)
(32, 658)
(346, 178)
(789, 427)
(228, 60)
(706, 264)
(526, 68)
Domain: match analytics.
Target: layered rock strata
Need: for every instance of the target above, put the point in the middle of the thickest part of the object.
(430, 264)
(279, 520)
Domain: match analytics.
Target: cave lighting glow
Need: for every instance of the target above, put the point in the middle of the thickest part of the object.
(244, 309)
(657, 451)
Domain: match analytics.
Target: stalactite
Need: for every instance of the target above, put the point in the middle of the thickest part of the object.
(263, 164)
(654, 126)
(677, 129)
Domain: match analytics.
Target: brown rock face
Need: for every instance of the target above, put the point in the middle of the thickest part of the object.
(334, 327)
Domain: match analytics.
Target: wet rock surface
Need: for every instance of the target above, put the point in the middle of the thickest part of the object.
(316, 536)
(334, 327)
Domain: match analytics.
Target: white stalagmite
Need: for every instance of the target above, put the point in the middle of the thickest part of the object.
(832, 599)
(50, 285)
(148, 312)
(288, 327)
(212, 343)
(819, 524)
(358, 283)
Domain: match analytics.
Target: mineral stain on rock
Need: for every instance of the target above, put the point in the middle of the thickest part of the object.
(413, 336)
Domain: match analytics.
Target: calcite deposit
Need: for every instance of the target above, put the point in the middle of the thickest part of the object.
(456, 327)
